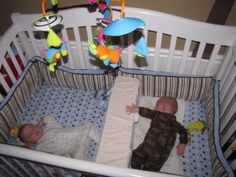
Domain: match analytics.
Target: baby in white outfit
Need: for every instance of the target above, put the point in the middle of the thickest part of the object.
(51, 137)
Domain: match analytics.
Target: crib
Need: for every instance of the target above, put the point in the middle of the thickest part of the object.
(187, 59)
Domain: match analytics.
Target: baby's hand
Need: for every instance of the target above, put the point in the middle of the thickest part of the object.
(180, 149)
(132, 109)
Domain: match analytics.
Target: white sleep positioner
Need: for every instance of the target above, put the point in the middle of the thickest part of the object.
(115, 146)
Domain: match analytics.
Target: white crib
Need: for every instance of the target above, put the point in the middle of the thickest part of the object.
(176, 45)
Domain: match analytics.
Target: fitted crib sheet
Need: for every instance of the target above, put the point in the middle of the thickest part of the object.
(196, 160)
(70, 107)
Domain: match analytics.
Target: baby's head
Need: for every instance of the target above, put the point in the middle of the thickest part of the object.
(167, 104)
(30, 133)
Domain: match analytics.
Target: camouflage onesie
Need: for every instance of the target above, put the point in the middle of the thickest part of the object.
(152, 153)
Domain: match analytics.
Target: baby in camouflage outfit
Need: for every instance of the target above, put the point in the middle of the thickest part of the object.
(152, 153)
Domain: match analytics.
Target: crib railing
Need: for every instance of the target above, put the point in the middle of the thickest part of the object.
(228, 106)
(61, 163)
(175, 45)
(18, 167)
(13, 58)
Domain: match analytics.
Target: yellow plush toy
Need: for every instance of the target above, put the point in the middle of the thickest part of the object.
(197, 126)
(14, 131)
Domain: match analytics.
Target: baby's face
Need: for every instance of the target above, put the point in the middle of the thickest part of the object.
(32, 133)
(167, 106)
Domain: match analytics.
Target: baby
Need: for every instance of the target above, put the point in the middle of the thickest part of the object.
(152, 153)
(48, 136)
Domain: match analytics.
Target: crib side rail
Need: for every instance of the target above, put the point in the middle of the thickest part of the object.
(228, 107)
(175, 44)
(17, 167)
(76, 29)
(13, 58)
(73, 164)
(191, 47)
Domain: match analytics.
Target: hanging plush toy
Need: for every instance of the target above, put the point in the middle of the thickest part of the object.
(57, 49)
(106, 50)
(109, 55)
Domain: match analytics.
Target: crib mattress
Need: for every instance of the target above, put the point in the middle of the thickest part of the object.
(196, 161)
(70, 107)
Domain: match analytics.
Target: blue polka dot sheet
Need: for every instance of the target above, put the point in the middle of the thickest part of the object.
(70, 107)
(197, 161)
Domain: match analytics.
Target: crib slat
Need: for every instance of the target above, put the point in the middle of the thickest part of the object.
(212, 59)
(157, 51)
(226, 116)
(228, 134)
(198, 57)
(227, 96)
(1, 97)
(27, 47)
(89, 32)
(225, 63)
(225, 83)
(230, 80)
(22, 167)
(34, 43)
(19, 51)
(90, 37)
(47, 171)
(4, 83)
(43, 39)
(13, 59)
(71, 58)
(171, 52)
(79, 47)
(229, 150)
(11, 167)
(9, 71)
(9, 173)
(227, 113)
(31, 165)
(185, 55)
(145, 34)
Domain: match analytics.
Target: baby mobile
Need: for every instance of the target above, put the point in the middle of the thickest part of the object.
(100, 47)
(56, 47)
(105, 50)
